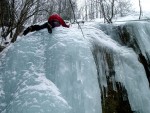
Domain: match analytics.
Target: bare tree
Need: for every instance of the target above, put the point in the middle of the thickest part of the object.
(7, 17)
(91, 10)
(86, 10)
(122, 8)
(96, 9)
(24, 14)
(106, 9)
(18, 12)
(36, 11)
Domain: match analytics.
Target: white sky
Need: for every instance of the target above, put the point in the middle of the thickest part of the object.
(145, 4)
(80, 2)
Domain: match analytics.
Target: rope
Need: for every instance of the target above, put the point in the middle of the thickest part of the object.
(75, 20)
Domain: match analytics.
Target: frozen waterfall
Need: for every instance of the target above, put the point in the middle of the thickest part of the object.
(44, 73)
(66, 72)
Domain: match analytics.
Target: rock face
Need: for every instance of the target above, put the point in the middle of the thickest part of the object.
(1, 48)
(132, 35)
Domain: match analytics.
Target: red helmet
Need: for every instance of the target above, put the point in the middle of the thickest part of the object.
(55, 20)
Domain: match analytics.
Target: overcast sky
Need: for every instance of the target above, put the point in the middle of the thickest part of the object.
(145, 4)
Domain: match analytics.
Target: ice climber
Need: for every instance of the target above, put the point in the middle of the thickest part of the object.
(53, 21)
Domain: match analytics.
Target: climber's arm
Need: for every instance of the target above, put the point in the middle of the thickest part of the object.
(37, 28)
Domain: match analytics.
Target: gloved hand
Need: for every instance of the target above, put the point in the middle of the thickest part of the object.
(27, 30)
(49, 27)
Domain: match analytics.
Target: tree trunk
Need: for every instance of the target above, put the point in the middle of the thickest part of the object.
(140, 9)
(96, 9)
(86, 11)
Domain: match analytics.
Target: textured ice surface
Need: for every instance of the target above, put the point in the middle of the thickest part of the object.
(56, 73)
(128, 70)
(49, 73)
